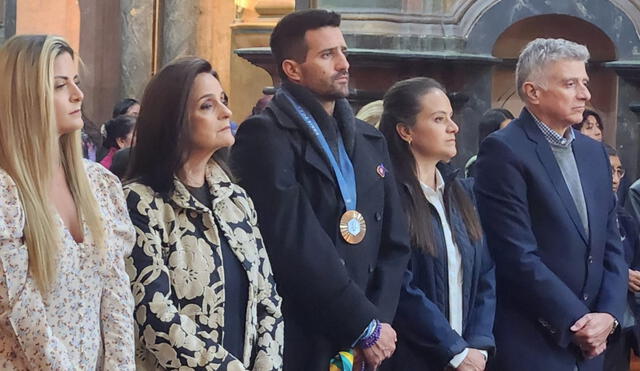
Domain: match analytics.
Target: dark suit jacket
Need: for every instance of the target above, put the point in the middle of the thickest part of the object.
(331, 290)
(549, 273)
(628, 228)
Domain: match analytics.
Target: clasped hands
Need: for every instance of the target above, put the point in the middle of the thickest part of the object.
(371, 358)
(591, 333)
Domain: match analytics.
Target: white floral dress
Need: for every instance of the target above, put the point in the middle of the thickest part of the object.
(178, 283)
(85, 322)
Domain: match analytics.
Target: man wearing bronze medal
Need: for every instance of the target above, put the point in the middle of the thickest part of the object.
(327, 203)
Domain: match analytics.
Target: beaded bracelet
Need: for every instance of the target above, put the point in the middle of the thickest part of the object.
(370, 340)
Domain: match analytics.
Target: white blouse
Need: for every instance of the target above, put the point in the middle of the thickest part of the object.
(85, 322)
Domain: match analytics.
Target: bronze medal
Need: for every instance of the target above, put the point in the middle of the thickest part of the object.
(352, 227)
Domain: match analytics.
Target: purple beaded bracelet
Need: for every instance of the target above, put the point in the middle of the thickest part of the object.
(370, 340)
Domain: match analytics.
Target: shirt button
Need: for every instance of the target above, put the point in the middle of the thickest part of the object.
(590, 259)
(585, 297)
(343, 262)
(378, 216)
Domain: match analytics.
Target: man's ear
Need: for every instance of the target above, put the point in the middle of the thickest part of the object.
(531, 92)
(291, 69)
(404, 132)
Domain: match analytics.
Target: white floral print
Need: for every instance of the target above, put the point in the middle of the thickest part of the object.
(85, 321)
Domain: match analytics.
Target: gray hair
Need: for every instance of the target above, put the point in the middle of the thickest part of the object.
(540, 52)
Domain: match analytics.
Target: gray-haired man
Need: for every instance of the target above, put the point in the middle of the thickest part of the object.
(545, 200)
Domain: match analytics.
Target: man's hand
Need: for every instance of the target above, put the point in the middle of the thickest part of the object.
(474, 361)
(382, 349)
(634, 281)
(591, 332)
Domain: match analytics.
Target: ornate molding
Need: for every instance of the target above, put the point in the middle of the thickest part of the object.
(457, 22)
(631, 8)
(274, 8)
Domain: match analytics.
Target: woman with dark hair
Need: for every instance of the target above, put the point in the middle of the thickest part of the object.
(492, 120)
(591, 125)
(447, 300)
(202, 282)
(119, 135)
(127, 106)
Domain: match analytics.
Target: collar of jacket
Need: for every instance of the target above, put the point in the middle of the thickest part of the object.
(531, 128)
(219, 183)
(287, 116)
(448, 172)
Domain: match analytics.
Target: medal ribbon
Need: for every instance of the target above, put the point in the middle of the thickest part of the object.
(342, 362)
(346, 178)
(344, 170)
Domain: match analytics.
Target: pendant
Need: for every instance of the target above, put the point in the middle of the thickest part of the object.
(352, 227)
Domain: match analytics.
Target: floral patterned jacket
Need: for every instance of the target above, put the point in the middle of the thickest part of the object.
(178, 284)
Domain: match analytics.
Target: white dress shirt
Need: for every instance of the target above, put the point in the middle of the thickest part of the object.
(454, 264)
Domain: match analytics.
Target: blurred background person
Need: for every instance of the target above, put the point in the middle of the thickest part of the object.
(618, 352)
(371, 113)
(119, 132)
(492, 120)
(127, 106)
(591, 125)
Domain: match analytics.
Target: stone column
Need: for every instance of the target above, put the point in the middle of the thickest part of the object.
(179, 31)
(9, 17)
(137, 43)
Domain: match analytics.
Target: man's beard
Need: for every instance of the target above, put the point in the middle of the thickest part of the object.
(335, 92)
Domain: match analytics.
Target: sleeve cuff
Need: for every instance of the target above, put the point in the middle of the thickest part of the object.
(484, 353)
(458, 358)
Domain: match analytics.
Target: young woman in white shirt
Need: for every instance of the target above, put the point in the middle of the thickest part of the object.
(447, 300)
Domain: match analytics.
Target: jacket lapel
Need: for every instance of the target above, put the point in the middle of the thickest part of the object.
(313, 154)
(365, 166)
(548, 160)
(582, 155)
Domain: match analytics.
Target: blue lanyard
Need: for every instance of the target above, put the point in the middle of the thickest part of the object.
(344, 171)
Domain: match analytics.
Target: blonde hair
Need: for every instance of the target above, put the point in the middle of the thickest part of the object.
(371, 113)
(29, 145)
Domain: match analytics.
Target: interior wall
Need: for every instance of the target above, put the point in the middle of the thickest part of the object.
(37, 17)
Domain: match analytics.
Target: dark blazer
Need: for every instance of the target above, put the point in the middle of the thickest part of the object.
(331, 289)
(549, 272)
(628, 228)
(426, 340)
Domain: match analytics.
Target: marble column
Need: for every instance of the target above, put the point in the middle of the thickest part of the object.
(179, 30)
(137, 46)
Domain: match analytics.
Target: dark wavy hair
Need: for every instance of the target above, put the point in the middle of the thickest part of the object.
(163, 134)
(402, 105)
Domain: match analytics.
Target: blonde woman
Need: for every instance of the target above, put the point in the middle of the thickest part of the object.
(65, 302)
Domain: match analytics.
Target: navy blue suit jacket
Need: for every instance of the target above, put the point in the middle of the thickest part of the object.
(549, 271)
